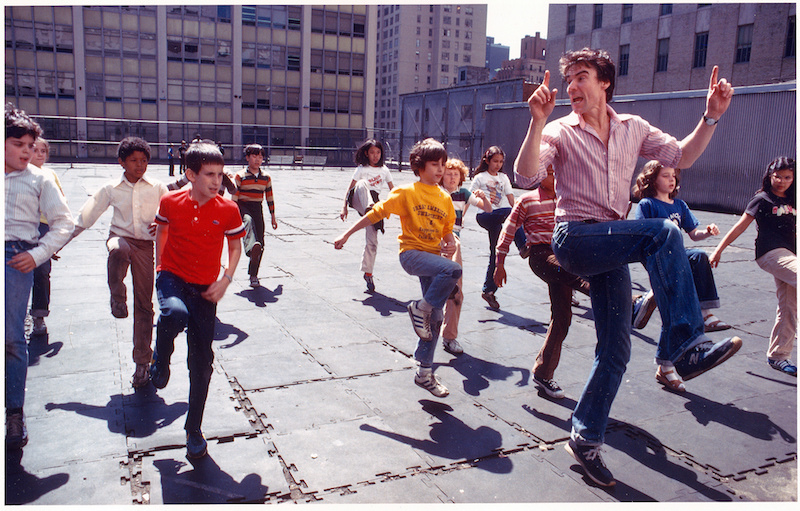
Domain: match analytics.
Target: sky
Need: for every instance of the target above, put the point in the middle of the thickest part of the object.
(508, 21)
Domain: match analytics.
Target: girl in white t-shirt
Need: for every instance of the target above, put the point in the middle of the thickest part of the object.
(497, 187)
(368, 179)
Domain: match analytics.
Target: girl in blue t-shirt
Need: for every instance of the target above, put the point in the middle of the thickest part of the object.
(657, 187)
(774, 208)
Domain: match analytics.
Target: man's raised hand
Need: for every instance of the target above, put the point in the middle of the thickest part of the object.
(543, 100)
(719, 96)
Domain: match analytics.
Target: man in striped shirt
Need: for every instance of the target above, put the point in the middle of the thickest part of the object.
(253, 187)
(594, 151)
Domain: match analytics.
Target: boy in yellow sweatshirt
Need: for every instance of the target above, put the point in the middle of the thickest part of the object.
(427, 217)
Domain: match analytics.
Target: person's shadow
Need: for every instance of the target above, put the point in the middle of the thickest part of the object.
(639, 445)
(479, 373)
(756, 424)
(206, 483)
(261, 296)
(143, 415)
(39, 345)
(510, 319)
(451, 438)
(24, 488)
(223, 330)
(385, 305)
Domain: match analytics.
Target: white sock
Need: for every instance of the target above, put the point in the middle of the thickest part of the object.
(424, 306)
(424, 371)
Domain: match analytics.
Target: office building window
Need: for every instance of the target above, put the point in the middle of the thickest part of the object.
(662, 57)
(666, 9)
(598, 17)
(700, 49)
(791, 38)
(627, 13)
(624, 58)
(744, 42)
(571, 18)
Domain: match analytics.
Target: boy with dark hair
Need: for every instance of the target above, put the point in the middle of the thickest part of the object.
(134, 198)
(427, 217)
(192, 226)
(30, 193)
(253, 187)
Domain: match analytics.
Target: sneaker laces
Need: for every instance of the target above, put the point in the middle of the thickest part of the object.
(594, 453)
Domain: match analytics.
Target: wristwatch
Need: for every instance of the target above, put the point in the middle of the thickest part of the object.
(709, 120)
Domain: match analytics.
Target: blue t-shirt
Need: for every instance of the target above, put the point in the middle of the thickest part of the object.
(678, 212)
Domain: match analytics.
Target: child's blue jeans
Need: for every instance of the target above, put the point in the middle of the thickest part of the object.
(437, 276)
(18, 290)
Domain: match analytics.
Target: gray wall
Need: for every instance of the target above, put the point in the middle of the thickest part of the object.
(760, 124)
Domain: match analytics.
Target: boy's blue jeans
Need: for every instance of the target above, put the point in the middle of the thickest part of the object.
(437, 276)
(600, 252)
(18, 290)
(181, 307)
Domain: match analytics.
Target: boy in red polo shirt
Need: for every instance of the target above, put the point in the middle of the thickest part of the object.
(192, 225)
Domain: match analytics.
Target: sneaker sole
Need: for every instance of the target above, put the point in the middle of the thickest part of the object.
(577, 459)
(644, 315)
(737, 343)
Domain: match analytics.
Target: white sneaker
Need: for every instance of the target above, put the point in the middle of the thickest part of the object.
(420, 320)
(432, 384)
(452, 346)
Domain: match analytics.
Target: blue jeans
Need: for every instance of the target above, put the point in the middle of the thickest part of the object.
(437, 276)
(493, 223)
(181, 307)
(18, 290)
(703, 278)
(600, 252)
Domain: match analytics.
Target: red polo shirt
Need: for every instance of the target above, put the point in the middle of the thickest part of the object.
(195, 237)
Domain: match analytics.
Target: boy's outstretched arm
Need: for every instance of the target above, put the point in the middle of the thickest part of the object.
(339, 242)
(216, 291)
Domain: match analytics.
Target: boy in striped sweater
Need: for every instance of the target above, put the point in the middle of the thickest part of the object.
(252, 187)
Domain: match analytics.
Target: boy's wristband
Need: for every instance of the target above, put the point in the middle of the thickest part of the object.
(228, 276)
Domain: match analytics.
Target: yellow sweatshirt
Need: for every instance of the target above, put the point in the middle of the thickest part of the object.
(426, 215)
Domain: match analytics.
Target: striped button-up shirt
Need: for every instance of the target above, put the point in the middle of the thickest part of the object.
(593, 181)
(31, 193)
(535, 214)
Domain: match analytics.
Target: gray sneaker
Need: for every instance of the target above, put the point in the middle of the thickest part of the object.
(452, 346)
(705, 356)
(432, 384)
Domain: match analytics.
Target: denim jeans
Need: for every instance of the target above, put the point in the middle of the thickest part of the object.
(493, 223)
(600, 252)
(703, 278)
(181, 307)
(437, 276)
(40, 299)
(18, 290)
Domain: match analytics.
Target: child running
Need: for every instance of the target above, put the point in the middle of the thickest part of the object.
(252, 188)
(774, 208)
(134, 198)
(497, 188)
(192, 226)
(535, 211)
(363, 192)
(657, 186)
(427, 218)
(454, 174)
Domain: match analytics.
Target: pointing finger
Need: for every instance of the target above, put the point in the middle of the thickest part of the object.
(714, 74)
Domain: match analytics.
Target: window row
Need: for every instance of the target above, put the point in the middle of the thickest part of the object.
(337, 23)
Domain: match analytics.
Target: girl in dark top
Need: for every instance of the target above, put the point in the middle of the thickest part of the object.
(774, 210)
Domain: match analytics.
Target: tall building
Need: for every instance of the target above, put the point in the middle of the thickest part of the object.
(533, 47)
(420, 47)
(495, 55)
(283, 76)
(669, 47)
(530, 65)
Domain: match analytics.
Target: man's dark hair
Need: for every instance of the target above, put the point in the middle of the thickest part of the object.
(424, 151)
(129, 145)
(600, 60)
(254, 149)
(18, 124)
(361, 153)
(202, 153)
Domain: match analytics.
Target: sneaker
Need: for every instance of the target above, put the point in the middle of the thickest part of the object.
(491, 300)
(196, 445)
(254, 282)
(141, 376)
(432, 384)
(39, 328)
(588, 456)
(370, 282)
(421, 321)
(256, 250)
(784, 366)
(16, 432)
(159, 375)
(452, 346)
(706, 356)
(119, 309)
(643, 309)
(550, 387)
